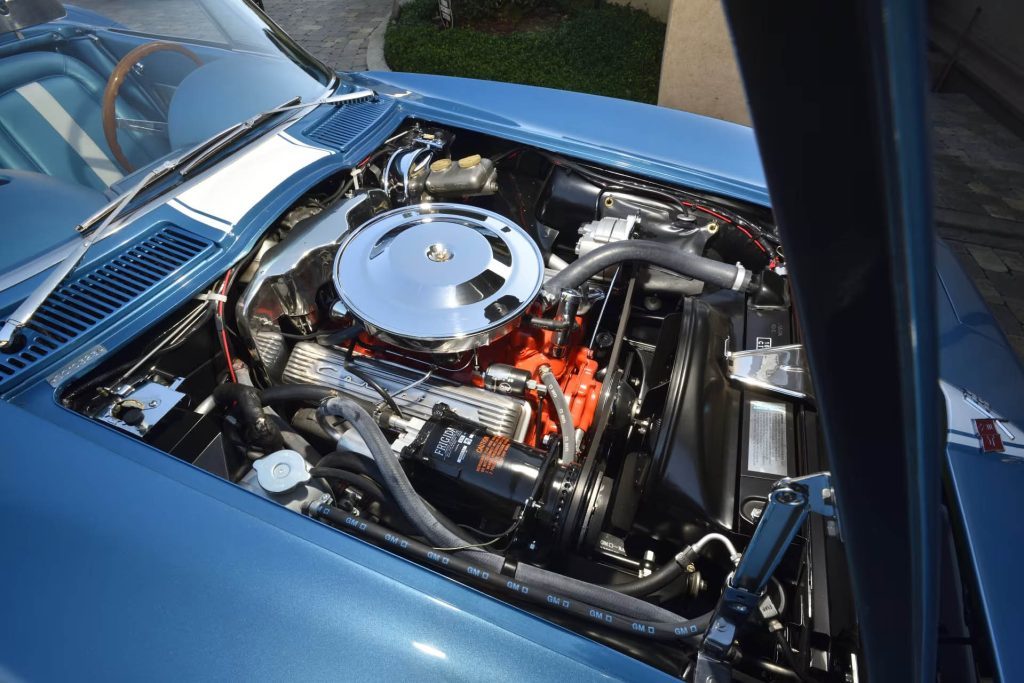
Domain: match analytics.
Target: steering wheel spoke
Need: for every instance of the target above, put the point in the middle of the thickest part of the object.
(143, 125)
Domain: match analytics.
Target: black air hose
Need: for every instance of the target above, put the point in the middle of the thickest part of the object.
(299, 393)
(257, 429)
(654, 253)
(361, 465)
(372, 490)
(652, 583)
(661, 577)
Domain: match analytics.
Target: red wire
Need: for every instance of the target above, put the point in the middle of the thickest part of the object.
(713, 213)
(751, 237)
(719, 216)
(223, 331)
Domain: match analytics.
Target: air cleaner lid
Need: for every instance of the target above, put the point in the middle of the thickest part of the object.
(435, 272)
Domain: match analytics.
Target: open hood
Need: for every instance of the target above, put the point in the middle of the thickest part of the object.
(836, 92)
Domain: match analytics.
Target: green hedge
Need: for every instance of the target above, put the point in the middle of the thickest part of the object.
(608, 50)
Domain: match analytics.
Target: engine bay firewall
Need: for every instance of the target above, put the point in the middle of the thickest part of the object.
(440, 278)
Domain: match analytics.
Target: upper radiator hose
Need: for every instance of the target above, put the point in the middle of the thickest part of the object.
(656, 254)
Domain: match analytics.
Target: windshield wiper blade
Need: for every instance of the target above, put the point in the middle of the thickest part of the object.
(227, 137)
(98, 225)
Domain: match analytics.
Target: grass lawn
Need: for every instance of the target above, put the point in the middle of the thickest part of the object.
(608, 50)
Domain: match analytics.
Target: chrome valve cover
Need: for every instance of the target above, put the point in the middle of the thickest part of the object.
(440, 278)
(311, 363)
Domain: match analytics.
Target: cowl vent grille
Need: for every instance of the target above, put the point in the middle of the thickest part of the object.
(89, 297)
(351, 120)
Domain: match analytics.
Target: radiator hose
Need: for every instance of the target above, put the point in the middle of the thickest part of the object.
(258, 430)
(656, 254)
(562, 411)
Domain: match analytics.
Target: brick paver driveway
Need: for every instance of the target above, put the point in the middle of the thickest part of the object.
(979, 187)
(335, 31)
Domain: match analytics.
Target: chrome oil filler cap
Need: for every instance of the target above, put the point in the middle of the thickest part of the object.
(438, 278)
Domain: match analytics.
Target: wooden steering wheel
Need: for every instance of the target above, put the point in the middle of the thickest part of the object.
(117, 76)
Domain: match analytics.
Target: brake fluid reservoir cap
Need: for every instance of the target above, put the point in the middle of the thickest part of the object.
(470, 161)
(441, 165)
(281, 471)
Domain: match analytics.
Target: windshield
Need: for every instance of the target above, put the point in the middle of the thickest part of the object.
(92, 94)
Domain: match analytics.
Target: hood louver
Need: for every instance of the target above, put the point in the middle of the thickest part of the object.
(89, 297)
(348, 122)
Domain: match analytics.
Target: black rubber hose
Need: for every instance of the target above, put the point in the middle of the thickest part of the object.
(257, 429)
(353, 462)
(361, 465)
(562, 411)
(297, 393)
(422, 517)
(338, 337)
(651, 583)
(466, 567)
(368, 486)
(292, 439)
(654, 253)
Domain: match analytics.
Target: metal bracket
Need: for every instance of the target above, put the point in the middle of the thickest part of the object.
(789, 504)
(776, 369)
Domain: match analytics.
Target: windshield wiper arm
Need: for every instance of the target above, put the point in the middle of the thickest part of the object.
(231, 135)
(226, 137)
(103, 218)
(98, 225)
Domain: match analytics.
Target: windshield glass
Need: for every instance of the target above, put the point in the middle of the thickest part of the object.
(94, 93)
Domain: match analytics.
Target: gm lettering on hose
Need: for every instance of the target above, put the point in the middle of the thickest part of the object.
(437, 557)
(352, 521)
(473, 571)
(601, 616)
(396, 540)
(559, 602)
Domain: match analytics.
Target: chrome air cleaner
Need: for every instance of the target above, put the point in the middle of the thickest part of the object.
(440, 278)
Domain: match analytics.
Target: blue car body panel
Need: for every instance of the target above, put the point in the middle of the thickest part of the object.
(129, 563)
(985, 487)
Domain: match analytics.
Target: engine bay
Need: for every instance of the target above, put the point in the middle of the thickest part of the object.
(573, 388)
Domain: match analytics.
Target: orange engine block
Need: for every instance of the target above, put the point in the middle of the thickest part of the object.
(528, 348)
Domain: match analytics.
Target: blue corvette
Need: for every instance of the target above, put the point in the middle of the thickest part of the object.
(311, 376)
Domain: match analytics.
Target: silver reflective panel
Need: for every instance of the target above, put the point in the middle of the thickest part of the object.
(440, 278)
(779, 369)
